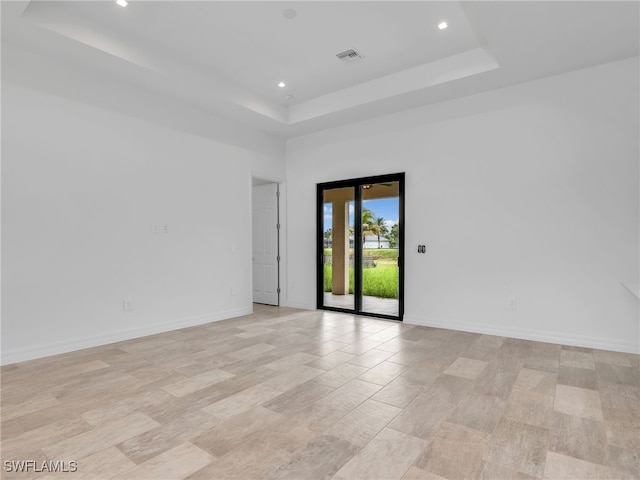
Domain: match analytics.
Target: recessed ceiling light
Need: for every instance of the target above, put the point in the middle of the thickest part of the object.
(282, 84)
(442, 25)
(289, 13)
(122, 3)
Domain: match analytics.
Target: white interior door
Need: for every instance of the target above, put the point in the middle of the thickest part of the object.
(265, 244)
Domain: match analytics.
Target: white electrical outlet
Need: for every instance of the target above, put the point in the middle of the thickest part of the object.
(232, 291)
(127, 304)
(512, 304)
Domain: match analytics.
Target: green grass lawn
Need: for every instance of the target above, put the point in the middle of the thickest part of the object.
(376, 253)
(381, 281)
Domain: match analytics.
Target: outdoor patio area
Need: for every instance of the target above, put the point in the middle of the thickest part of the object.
(382, 306)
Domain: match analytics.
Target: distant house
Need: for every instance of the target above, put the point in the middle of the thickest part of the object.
(371, 241)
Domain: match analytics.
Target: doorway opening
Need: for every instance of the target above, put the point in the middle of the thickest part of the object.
(265, 254)
(360, 243)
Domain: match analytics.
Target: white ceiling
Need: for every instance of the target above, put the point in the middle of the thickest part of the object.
(226, 58)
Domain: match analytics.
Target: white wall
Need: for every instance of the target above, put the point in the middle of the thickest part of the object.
(527, 193)
(82, 187)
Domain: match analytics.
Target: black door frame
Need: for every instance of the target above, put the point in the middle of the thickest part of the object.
(357, 183)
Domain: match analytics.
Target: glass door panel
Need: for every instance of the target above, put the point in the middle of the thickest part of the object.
(337, 231)
(379, 271)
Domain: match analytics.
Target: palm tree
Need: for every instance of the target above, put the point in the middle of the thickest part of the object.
(379, 228)
(393, 235)
(368, 222)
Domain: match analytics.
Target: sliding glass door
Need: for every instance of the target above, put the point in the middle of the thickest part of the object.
(360, 246)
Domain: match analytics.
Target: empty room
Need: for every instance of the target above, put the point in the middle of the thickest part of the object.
(394, 240)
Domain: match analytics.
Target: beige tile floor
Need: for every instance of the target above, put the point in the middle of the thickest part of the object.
(285, 393)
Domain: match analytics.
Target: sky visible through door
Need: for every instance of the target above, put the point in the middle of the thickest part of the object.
(386, 208)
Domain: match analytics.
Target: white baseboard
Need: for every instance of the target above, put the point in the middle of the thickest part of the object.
(31, 353)
(301, 306)
(528, 334)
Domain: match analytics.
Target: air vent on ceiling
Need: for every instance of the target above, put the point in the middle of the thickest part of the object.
(350, 56)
